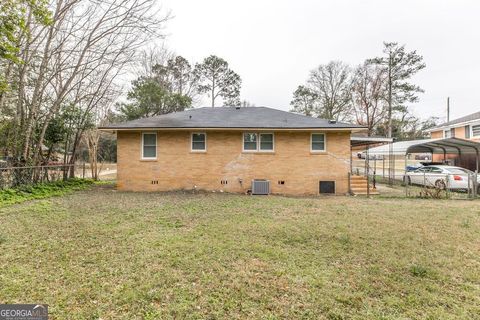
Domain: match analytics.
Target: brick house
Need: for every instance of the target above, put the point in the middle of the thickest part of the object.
(467, 127)
(224, 149)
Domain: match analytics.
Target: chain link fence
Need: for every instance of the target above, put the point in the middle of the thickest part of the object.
(441, 185)
(13, 177)
(426, 183)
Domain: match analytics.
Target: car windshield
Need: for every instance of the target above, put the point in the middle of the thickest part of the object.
(459, 171)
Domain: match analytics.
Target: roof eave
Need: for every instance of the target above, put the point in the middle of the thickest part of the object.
(453, 125)
(353, 129)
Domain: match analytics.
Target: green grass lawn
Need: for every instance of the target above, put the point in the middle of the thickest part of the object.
(105, 254)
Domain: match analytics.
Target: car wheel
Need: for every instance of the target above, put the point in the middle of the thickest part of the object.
(440, 184)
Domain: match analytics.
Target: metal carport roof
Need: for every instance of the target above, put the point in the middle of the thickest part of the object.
(356, 141)
(436, 146)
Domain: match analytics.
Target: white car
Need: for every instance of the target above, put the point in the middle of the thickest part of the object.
(441, 176)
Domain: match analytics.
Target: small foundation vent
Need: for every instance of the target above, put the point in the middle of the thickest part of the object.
(260, 186)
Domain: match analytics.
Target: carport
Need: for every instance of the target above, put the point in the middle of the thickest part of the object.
(446, 146)
(465, 152)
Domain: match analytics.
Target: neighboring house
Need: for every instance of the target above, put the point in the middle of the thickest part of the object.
(224, 149)
(467, 127)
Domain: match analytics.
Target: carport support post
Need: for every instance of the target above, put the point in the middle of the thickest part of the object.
(367, 163)
(475, 181)
(424, 184)
(405, 177)
(476, 159)
(468, 186)
(383, 168)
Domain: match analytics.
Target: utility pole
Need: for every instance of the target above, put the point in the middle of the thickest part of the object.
(448, 109)
(390, 84)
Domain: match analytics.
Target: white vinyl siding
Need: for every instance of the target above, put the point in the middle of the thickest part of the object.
(476, 130)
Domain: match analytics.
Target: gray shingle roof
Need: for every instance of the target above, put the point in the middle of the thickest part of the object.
(230, 117)
(467, 118)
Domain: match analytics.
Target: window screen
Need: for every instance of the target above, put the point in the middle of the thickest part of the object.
(467, 131)
(199, 141)
(318, 142)
(149, 146)
(266, 141)
(249, 141)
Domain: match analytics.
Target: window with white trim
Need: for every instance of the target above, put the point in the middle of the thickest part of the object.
(249, 141)
(254, 142)
(476, 130)
(317, 142)
(149, 145)
(199, 141)
(266, 141)
(447, 133)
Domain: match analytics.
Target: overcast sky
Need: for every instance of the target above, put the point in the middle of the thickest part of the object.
(274, 44)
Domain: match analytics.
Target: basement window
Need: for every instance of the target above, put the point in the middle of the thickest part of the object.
(327, 187)
(149, 145)
(199, 141)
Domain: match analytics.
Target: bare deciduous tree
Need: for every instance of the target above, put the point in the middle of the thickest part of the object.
(327, 92)
(368, 96)
(75, 61)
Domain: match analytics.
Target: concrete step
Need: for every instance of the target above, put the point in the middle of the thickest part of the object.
(358, 178)
(359, 186)
(358, 182)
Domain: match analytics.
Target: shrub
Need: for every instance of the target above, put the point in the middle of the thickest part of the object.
(42, 190)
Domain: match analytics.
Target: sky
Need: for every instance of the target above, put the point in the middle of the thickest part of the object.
(273, 45)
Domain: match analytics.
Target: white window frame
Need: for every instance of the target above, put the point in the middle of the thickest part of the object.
(259, 137)
(259, 143)
(191, 142)
(445, 133)
(471, 130)
(143, 144)
(324, 142)
(243, 141)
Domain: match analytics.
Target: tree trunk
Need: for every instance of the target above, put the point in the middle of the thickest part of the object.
(213, 92)
(389, 134)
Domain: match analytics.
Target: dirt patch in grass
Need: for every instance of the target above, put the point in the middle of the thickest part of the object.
(106, 254)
